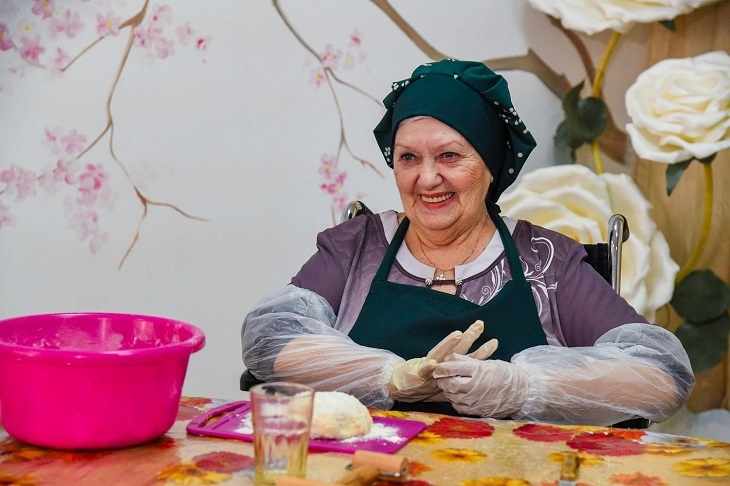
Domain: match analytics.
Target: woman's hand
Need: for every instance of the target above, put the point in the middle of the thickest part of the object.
(491, 388)
(413, 381)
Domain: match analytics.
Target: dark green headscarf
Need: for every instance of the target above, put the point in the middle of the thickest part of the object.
(471, 99)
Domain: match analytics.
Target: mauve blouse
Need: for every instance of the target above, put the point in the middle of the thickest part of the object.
(576, 305)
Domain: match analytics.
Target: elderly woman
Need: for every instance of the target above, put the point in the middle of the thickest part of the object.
(390, 305)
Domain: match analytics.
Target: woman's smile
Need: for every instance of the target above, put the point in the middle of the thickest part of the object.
(437, 198)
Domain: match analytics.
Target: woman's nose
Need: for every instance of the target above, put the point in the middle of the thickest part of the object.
(430, 175)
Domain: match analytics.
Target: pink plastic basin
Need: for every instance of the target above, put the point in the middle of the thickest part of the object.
(92, 380)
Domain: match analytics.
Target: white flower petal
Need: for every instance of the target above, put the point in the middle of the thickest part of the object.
(576, 202)
(660, 283)
(592, 16)
(680, 108)
(647, 146)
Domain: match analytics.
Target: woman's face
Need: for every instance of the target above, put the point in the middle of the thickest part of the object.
(441, 178)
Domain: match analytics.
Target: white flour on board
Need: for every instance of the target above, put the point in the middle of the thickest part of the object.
(377, 431)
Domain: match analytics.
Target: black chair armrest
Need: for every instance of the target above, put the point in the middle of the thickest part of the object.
(248, 380)
(635, 423)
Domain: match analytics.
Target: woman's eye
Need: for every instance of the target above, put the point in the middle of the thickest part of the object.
(407, 157)
(449, 155)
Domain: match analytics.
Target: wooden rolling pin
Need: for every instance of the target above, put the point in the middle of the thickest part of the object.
(367, 467)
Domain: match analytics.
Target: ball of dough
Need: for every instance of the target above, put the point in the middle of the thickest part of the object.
(337, 415)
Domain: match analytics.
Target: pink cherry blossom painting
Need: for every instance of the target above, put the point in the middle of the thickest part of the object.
(53, 35)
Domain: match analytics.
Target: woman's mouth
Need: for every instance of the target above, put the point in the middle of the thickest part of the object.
(437, 199)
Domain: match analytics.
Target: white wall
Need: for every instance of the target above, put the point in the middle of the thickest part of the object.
(233, 134)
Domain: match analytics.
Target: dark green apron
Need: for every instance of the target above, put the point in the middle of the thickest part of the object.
(410, 321)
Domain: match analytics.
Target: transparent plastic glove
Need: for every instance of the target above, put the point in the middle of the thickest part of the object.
(413, 381)
(491, 388)
(471, 335)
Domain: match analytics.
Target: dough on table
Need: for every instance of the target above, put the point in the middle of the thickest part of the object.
(337, 415)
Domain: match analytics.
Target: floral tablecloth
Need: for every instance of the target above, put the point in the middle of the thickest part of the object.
(451, 452)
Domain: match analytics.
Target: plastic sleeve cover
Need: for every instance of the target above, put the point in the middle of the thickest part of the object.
(289, 335)
(634, 370)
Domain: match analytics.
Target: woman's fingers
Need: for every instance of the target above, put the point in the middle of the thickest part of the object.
(445, 347)
(469, 336)
(485, 350)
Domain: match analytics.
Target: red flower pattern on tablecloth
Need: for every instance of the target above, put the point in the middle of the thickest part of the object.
(495, 481)
(410, 482)
(18, 480)
(416, 468)
(629, 434)
(605, 444)
(164, 442)
(223, 461)
(190, 473)
(637, 479)
(196, 402)
(543, 433)
(555, 483)
(455, 428)
(12, 451)
(191, 407)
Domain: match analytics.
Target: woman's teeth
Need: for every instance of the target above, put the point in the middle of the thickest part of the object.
(437, 198)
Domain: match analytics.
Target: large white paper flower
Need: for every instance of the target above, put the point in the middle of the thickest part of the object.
(592, 16)
(575, 201)
(680, 108)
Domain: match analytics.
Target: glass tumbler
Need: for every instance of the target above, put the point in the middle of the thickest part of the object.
(282, 418)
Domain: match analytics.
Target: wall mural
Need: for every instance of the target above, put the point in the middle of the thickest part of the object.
(333, 59)
(53, 36)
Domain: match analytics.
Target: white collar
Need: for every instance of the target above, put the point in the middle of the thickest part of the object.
(409, 263)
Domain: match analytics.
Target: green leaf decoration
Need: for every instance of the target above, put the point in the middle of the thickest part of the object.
(669, 24)
(674, 172)
(585, 119)
(562, 135)
(706, 344)
(701, 297)
(593, 117)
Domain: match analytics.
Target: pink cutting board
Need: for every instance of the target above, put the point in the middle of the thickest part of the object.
(233, 421)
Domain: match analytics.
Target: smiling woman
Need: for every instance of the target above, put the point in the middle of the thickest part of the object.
(443, 183)
(448, 306)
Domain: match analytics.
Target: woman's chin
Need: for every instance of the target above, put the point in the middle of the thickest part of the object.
(433, 220)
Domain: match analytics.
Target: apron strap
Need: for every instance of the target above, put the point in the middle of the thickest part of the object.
(513, 258)
(389, 258)
(510, 249)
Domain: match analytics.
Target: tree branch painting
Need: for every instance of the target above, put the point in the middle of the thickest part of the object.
(148, 31)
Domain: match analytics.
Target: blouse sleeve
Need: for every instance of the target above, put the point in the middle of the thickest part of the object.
(290, 336)
(587, 305)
